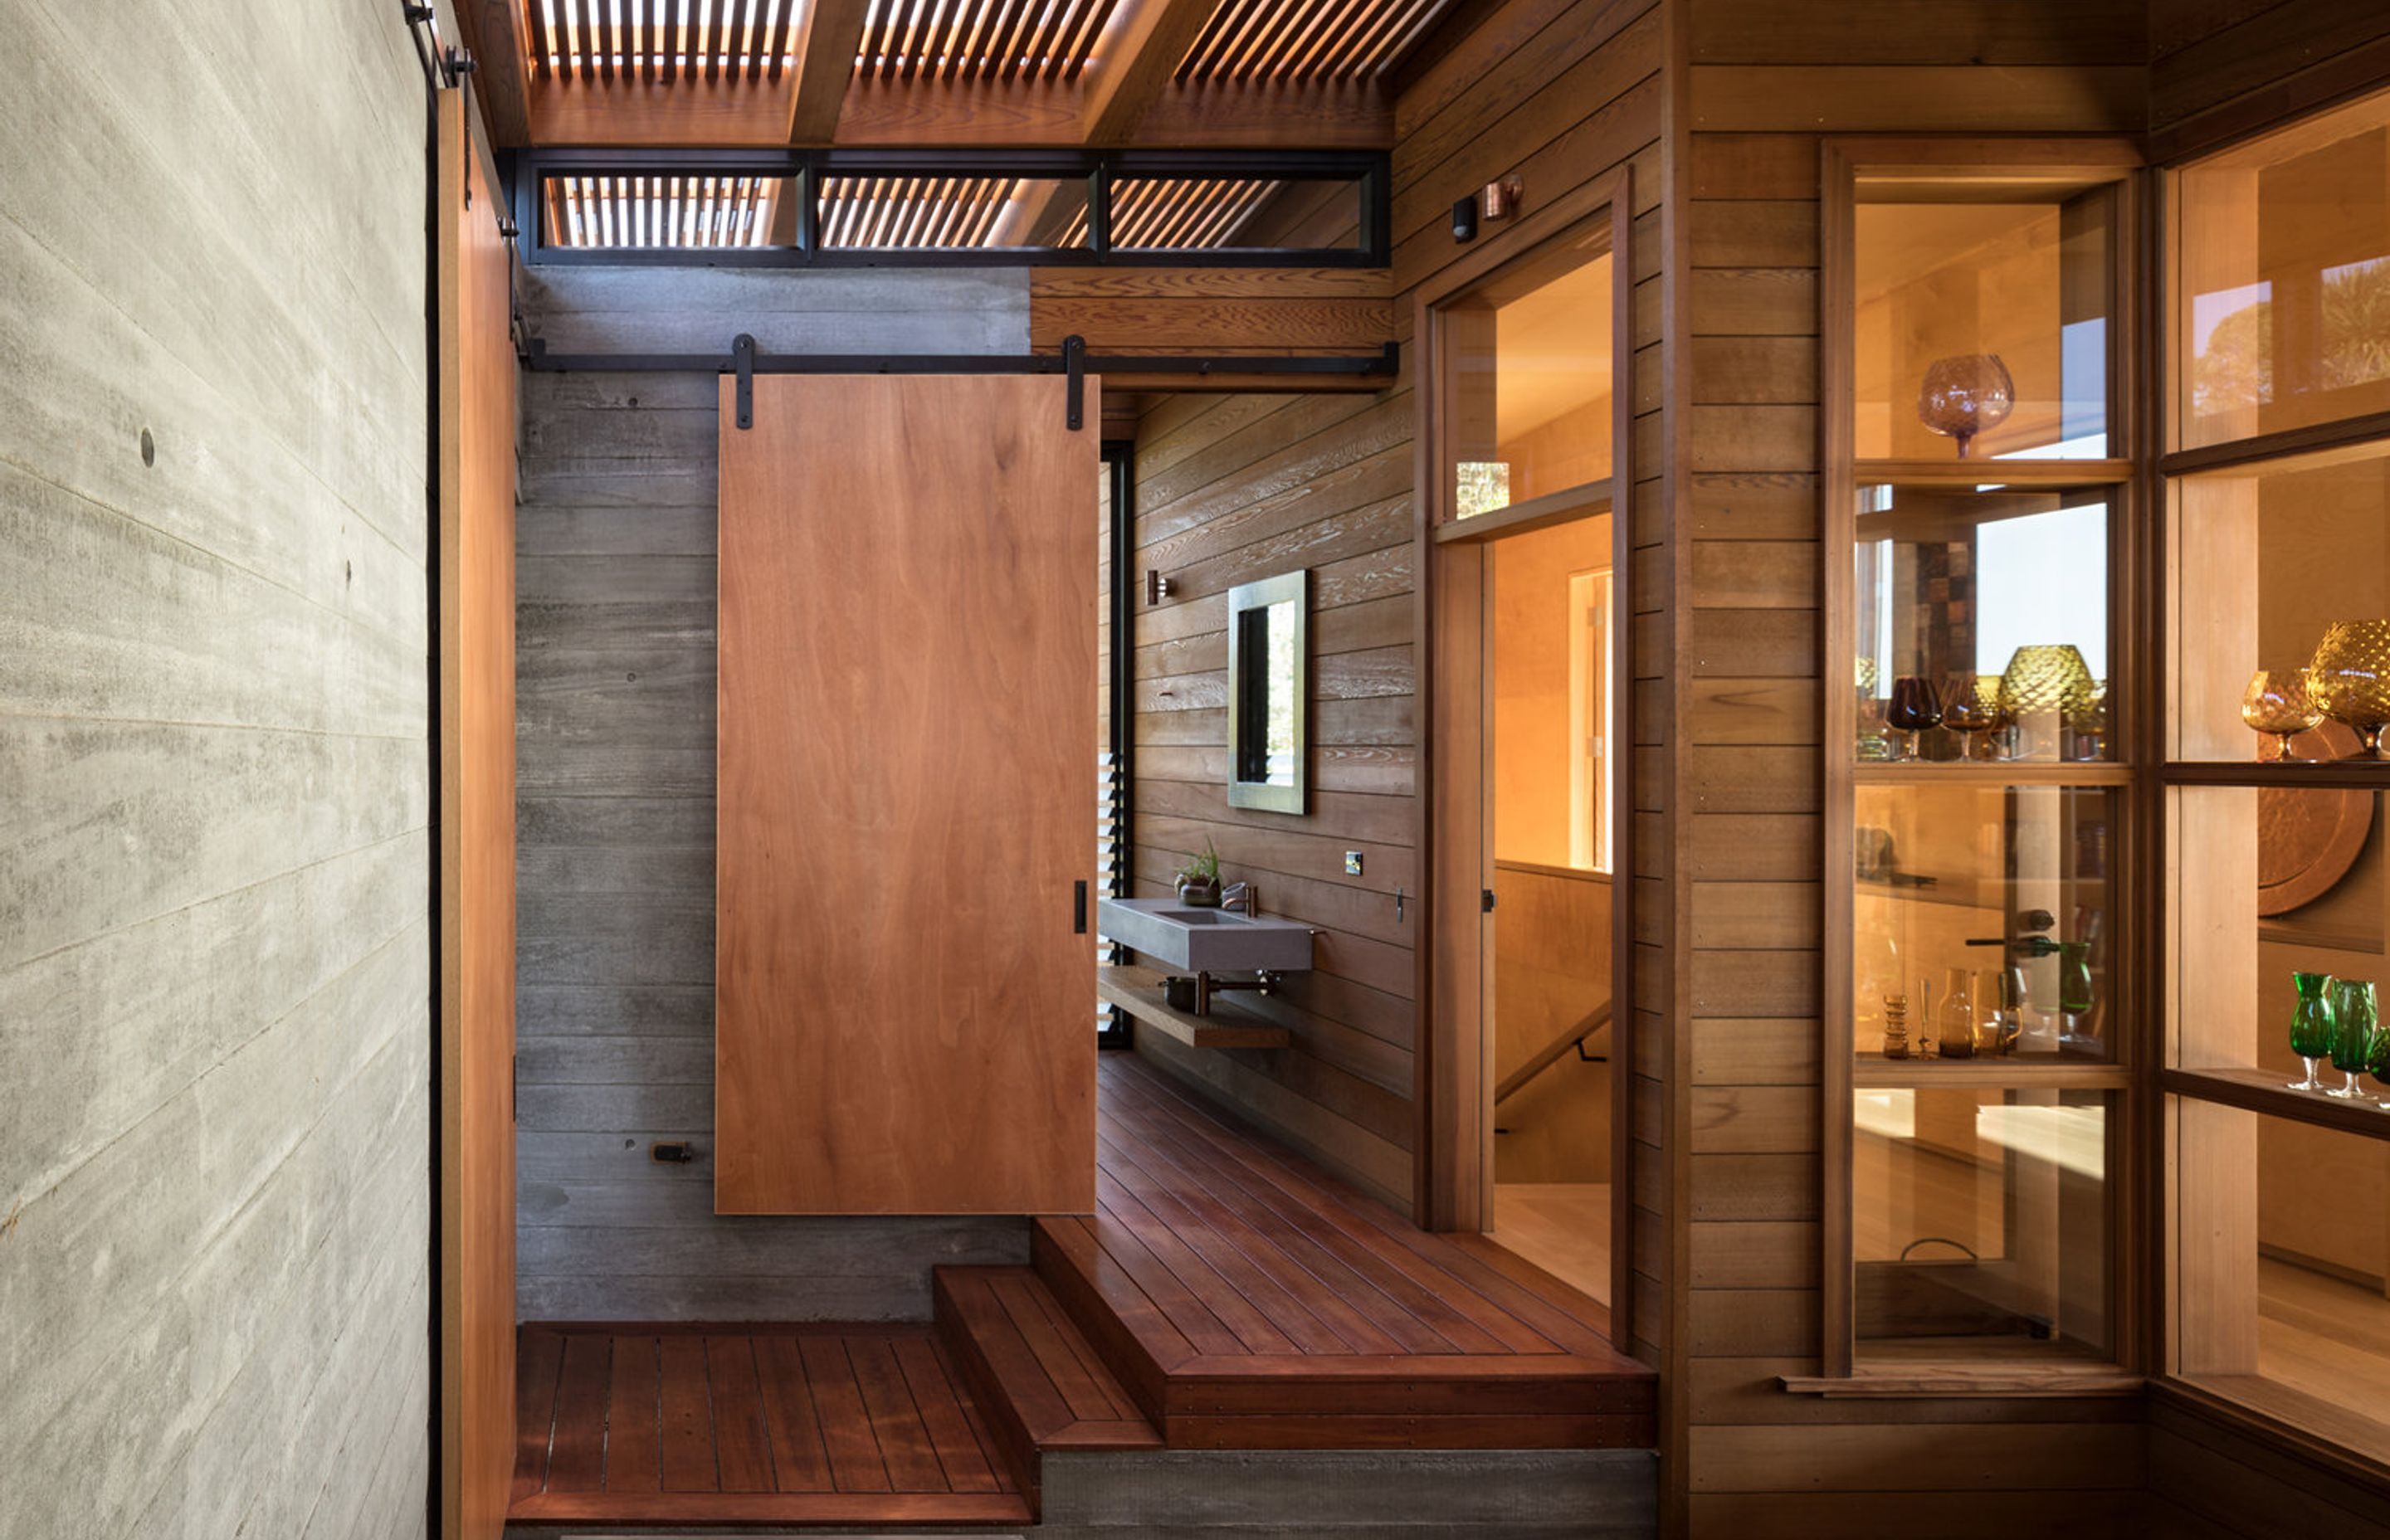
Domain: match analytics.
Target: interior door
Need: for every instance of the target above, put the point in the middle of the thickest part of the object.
(904, 944)
(477, 842)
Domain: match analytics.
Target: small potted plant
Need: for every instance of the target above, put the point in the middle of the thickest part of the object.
(1198, 879)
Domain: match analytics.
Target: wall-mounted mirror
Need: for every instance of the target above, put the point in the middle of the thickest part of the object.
(1270, 692)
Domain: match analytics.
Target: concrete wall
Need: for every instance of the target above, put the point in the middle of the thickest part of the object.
(615, 633)
(215, 977)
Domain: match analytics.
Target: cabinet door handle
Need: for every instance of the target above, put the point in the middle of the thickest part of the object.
(1079, 908)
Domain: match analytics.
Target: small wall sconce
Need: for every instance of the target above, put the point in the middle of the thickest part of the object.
(1500, 199)
(1464, 218)
(1157, 588)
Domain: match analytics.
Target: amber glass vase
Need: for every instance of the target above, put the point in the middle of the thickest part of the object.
(2351, 678)
(2281, 703)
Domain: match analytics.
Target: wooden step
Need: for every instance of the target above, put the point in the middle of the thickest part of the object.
(1038, 1383)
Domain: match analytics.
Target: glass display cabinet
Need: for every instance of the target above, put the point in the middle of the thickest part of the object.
(1981, 764)
(2275, 952)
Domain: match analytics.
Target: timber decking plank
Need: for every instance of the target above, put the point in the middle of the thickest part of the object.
(905, 1444)
(1462, 1276)
(742, 1448)
(960, 1451)
(1171, 1249)
(1088, 1398)
(854, 1459)
(540, 1363)
(577, 1459)
(800, 1462)
(628, 1440)
(686, 1417)
(1210, 1229)
(1460, 1319)
(1287, 1237)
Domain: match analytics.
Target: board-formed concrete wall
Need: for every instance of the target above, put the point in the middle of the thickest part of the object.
(614, 749)
(214, 975)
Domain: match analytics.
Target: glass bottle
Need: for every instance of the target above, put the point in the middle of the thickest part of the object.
(1997, 1018)
(1958, 1018)
(2313, 1028)
(2352, 1043)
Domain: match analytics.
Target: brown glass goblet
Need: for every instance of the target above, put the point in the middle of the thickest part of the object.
(1971, 704)
(1914, 706)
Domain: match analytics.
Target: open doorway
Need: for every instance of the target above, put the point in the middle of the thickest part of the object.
(1527, 426)
(1549, 635)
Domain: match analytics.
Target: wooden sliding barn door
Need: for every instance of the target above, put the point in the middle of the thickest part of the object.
(477, 842)
(904, 998)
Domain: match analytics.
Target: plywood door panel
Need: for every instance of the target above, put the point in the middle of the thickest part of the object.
(905, 800)
(477, 842)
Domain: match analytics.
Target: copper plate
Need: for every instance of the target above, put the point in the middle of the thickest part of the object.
(2307, 837)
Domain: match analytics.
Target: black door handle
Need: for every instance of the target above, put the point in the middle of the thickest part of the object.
(1079, 908)
(1486, 901)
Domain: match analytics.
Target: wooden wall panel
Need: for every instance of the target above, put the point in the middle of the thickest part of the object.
(477, 839)
(2222, 69)
(1759, 83)
(906, 703)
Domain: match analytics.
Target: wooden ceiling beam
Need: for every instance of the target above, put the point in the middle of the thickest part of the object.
(493, 31)
(1136, 58)
(831, 34)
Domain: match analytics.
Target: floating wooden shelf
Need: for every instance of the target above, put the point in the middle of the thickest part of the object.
(2000, 772)
(1873, 1072)
(2362, 774)
(2000, 473)
(2263, 1091)
(1138, 992)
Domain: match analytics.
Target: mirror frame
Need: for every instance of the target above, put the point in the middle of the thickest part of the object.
(1245, 597)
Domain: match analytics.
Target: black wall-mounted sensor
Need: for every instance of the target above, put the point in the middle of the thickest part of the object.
(1464, 219)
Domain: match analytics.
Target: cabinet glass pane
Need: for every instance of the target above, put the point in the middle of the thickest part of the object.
(1984, 926)
(1528, 369)
(2284, 1309)
(2013, 300)
(668, 211)
(1991, 604)
(2267, 561)
(2273, 882)
(950, 213)
(2284, 315)
(1979, 1221)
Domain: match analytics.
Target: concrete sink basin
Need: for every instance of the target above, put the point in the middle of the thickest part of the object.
(1205, 941)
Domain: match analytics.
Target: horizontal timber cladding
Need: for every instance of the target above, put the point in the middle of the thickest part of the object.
(1231, 488)
(615, 757)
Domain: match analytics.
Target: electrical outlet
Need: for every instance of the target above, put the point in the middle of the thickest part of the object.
(1352, 863)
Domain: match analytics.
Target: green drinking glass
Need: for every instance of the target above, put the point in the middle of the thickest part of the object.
(2313, 1028)
(2352, 1042)
(2377, 1061)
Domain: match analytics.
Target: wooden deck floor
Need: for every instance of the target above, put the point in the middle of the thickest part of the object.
(1249, 1300)
(750, 1425)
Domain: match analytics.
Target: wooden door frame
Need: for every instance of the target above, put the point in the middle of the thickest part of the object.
(1452, 1088)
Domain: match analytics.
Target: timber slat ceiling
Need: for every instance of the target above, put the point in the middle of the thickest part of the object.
(660, 40)
(981, 40)
(963, 40)
(1306, 40)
